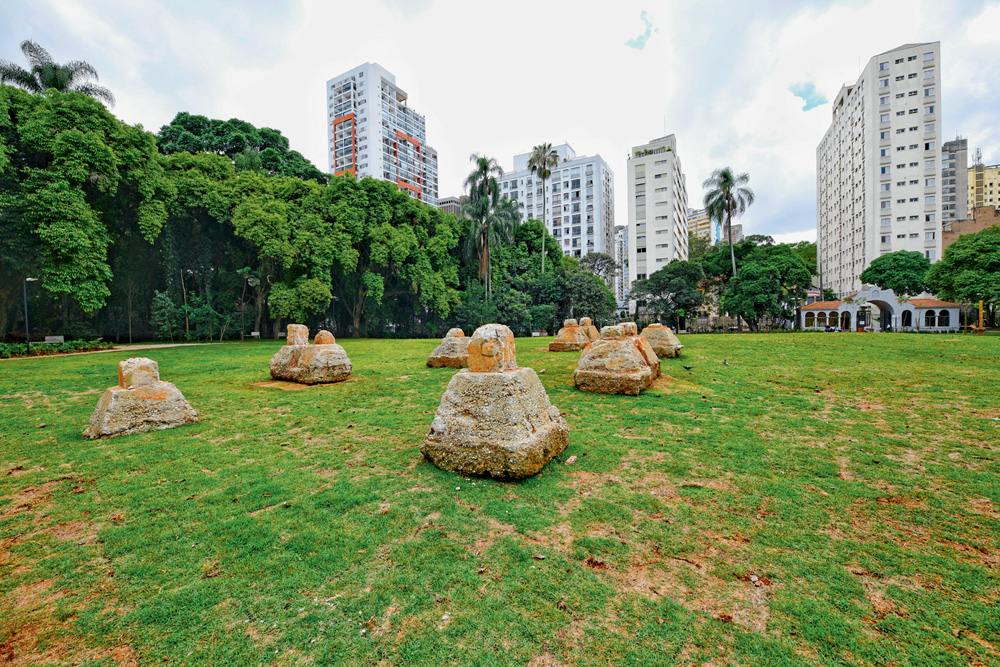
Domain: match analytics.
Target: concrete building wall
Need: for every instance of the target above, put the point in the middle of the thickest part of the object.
(579, 204)
(657, 207)
(954, 180)
(622, 282)
(372, 132)
(877, 168)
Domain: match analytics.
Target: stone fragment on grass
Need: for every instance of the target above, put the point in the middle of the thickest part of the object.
(495, 419)
(453, 352)
(665, 344)
(572, 337)
(140, 402)
(613, 364)
(310, 364)
(588, 327)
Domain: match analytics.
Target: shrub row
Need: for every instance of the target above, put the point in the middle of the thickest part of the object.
(8, 350)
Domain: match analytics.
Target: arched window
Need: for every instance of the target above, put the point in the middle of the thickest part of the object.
(907, 321)
(944, 319)
(821, 319)
(929, 319)
(810, 320)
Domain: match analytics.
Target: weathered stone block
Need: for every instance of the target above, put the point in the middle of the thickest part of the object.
(665, 344)
(140, 402)
(453, 352)
(613, 364)
(492, 350)
(298, 334)
(497, 421)
(311, 364)
(571, 337)
(324, 337)
(588, 327)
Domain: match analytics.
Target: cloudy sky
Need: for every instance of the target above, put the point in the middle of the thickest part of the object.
(743, 84)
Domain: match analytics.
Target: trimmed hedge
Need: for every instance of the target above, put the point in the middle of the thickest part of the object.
(8, 350)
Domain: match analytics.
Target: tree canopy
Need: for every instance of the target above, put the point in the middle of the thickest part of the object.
(45, 74)
(769, 284)
(902, 271)
(671, 292)
(250, 148)
(969, 269)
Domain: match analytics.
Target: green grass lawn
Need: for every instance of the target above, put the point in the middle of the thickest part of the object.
(823, 499)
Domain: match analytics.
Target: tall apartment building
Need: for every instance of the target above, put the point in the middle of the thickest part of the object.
(372, 132)
(878, 179)
(984, 186)
(657, 207)
(622, 282)
(703, 226)
(452, 205)
(579, 200)
(954, 180)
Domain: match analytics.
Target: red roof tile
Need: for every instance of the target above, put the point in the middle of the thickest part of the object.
(823, 305)
(932, 303)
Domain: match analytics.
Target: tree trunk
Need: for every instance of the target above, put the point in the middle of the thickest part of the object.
(543, 226)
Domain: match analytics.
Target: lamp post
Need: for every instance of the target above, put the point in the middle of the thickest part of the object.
(27, 333)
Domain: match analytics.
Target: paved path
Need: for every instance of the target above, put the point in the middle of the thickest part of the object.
(116, 348)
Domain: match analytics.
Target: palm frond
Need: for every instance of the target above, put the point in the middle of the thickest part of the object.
(36, 55)
(79, 70)
(18, 76)
(99, 93)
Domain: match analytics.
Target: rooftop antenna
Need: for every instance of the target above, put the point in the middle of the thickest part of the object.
(978, 160)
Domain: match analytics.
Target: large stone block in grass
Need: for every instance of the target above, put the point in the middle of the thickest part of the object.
(495, 419)
(571, 338)
(614, 364)
(453, 352)
(665, 344)
(140, 402)
(325, 361)
(588, 327)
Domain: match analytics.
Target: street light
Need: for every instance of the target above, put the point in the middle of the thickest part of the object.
(27, 333)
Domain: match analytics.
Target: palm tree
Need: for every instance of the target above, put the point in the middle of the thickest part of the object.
(493, 219)
(543, 157)
(45, 73)
(728, 196)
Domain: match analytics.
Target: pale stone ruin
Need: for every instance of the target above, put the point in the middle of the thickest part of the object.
(140, 402)
(588, 326)
(615, 364)
(495, 419)
(298, 361)
(453, 352)
(571, 338)
(631, 330)
(665, 344)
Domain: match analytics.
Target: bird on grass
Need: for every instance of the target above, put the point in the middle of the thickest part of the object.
(687, 368)
(725, 362)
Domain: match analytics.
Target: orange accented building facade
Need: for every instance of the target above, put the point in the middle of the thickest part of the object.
(373, 132)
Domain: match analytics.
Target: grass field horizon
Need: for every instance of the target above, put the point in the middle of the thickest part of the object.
(822, 499)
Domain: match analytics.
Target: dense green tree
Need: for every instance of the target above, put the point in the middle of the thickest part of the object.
(393, 245)
(769, 284)
(672, 291)
(969, 270)
(902, 271)
(543, 158)
(250, 148)
(601, 265)
(45, 74)
(72, 179)
(728, 196)
(698, 246)
(806, 250)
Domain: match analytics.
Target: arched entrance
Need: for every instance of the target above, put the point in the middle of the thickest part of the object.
(906, 321)
(845, 321)
(885, 314)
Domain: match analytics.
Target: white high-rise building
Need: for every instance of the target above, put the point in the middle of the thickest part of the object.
(579, 200)
(657, 207)
(372, 132)
(622, 282)
(878, 171)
